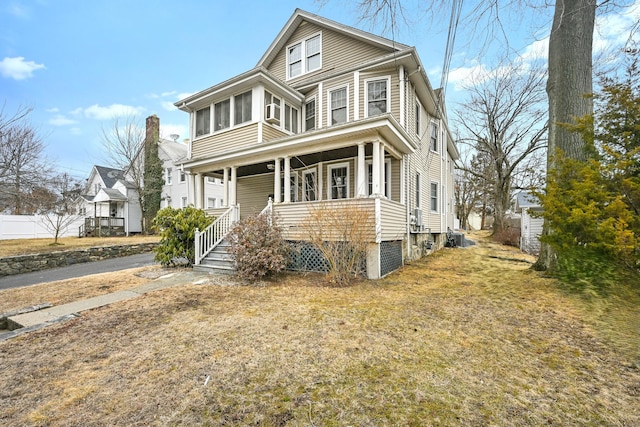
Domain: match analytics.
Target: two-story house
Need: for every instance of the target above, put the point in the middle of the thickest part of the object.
(330, 115)
(109, 204)
(110, 201)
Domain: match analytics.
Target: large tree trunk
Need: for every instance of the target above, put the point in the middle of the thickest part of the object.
(570, 80)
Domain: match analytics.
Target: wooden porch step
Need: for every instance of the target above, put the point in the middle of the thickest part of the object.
(218, 259)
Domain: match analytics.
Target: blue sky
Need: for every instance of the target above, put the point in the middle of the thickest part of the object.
(80, 63)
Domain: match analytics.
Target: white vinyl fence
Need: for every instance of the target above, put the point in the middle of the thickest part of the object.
(33, 227)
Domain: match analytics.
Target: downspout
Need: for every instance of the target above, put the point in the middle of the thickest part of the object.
(405, 158)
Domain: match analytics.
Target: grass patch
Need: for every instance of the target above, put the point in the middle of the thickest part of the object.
(34, 246)
(465, 337)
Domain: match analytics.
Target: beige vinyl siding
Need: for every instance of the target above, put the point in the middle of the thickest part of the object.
(293, 216)
(223, 142)
(393, 220)
(270, 132)
(253, 193)
(339, 52)
(395, 180)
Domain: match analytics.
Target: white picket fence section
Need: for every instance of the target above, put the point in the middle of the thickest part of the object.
(33, 227)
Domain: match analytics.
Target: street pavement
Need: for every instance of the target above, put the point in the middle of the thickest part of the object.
(76, 270)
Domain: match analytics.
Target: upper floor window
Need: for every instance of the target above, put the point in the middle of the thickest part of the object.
(203, 121)
(290, 118)
(434, 137)
(310, 115)
(417, 112)
(242, 107)
(167, 177)
(221, 115)
(183, 176)
(338, 105)
(272, 108)
(377, 97)
(304, 56)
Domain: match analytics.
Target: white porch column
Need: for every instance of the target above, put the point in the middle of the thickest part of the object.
(233, 196)
(361, 182)
(382, 186)
(375, 169)
(191, 189)
(198, 188)
(276, 182)
(225, 190)
(287, 179)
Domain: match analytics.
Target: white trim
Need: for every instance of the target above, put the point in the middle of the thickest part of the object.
(366, 93)
(330, 168)
(305, 172)
(437, 184)
(315, 114)
(387, 185)
(356, 94)
(303, 56)
(335, 89)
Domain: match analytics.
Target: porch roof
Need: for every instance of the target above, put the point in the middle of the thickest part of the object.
(109, 195)
(384, 128)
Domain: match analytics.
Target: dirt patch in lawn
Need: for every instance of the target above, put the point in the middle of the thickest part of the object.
(465, 337)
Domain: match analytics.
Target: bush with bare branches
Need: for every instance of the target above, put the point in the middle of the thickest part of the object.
(341, 231)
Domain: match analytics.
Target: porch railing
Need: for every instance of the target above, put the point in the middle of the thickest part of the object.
(207, 239)
(101, 226)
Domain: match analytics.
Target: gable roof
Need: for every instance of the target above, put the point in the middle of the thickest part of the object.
(526, 200)
(300, 15)
(109, 176)
(173, 149)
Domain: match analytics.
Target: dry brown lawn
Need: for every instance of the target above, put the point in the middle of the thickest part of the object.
(465, 337)
(32, 246)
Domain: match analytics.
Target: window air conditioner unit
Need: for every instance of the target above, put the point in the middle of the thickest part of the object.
(272, 114)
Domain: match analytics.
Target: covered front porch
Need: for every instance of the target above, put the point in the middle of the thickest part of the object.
(361, 167)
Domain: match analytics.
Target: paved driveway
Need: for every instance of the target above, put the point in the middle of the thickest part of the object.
(76, 270)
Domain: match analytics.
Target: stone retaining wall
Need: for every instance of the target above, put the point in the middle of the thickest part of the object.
(28, 263)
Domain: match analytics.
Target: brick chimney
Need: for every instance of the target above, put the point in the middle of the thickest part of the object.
(153, 130)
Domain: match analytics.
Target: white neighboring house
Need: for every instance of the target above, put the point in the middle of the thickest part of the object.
(109, 204)
(530, 226)
(175, 192)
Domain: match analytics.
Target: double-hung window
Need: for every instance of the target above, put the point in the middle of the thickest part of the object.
(338, 105)
(290, 118)
(203, 121)
(242, 108)
(304, 56)
(418, 190)
(339, 181)
(434, 197)
(222, 115)
(310, 179)
(310, 115)
(272, 103)
(377, 97)
(167, 178)
(434, 137)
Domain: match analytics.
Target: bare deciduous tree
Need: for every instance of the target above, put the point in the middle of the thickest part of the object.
(123, 142)
(61, 211)
(23, 164)
(504, 119)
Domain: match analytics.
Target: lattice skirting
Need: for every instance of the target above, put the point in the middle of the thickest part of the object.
(390, 256)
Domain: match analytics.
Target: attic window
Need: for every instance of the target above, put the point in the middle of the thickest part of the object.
(304, 56)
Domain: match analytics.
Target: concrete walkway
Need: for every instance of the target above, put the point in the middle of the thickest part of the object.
(27, 322)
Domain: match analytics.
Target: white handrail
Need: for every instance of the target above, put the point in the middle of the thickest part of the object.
(207, 239)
